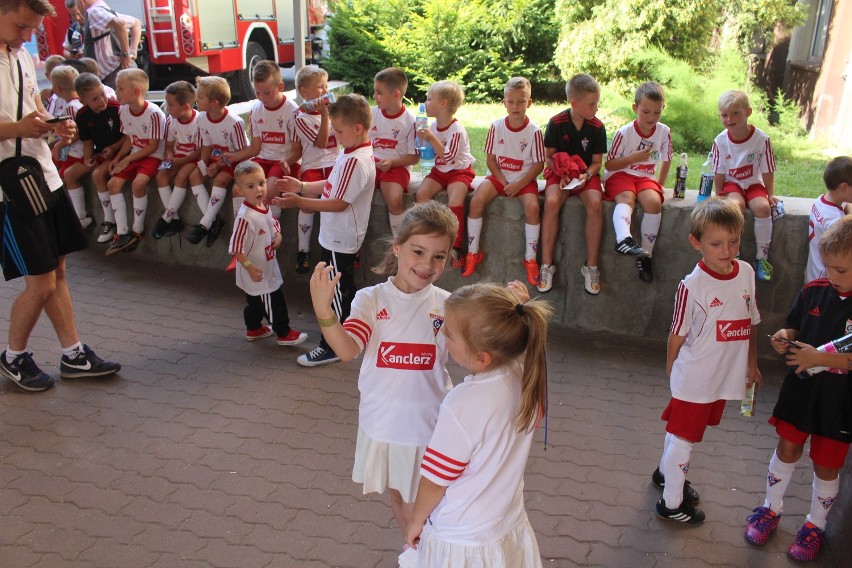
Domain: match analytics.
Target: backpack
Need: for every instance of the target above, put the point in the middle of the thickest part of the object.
(89, 41)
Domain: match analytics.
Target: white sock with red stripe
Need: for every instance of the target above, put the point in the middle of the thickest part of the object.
(762, 236)
(621, 221)
(78, 200)
(650, 228)
(106, 205)
(175, 201)
(474, 232)
(217, 199)
(119, 208)
(140, 206)
(201, 197)
(777, 479)
(306, 226)
(822, 498)
(531, 232)
(673, 466)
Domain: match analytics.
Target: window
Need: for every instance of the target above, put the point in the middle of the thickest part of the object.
(823, 16)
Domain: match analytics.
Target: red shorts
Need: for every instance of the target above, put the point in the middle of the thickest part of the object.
(399, 175)
(826, 452)
(751, 192)
(622, 181)
(444, 179)
(272, 168)
(593, 183)
(67, 164)
(146, 166)
(688, 420)
(315, 174)
(530, 188)
(222, 167)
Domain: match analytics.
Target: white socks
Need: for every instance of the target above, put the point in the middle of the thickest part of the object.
(395, 220)
(822, 498)
(140, 206)
(201, 197)
(531, 233)
(106, 205)
(119, 208)
(650, 228)
(306, 225)
(217, 198)
(474, 232)
(673, 466)
(777, 479)
(762, 236)
(621, 221)
(78, 200)
(175, 201)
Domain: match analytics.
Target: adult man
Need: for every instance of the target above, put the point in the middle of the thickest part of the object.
(35, 248)
(72, 47)
(100, 20)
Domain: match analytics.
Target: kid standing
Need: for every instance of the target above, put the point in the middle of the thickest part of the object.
(453, 161)
(827, 209)
(515, 157)
(711, 355)
(744, 167)
(816, 406)
(403, 376)
(632, 161)
(392, 136)
(470, 503)
(256, 237)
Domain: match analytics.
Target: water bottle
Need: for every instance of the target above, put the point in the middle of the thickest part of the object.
(313, 104)
(777, 210)
(705, 189)
(421, 123)
(680, 181)
(427, 160)
(842, 345)
(747, 404)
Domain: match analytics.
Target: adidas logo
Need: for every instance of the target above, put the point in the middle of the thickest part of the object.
(22, 170)
(814, 312)
(383, 315)
(716, 303)
(261, 232)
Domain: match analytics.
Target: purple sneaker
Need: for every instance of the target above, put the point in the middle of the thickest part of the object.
(760, 525)
(807, 543)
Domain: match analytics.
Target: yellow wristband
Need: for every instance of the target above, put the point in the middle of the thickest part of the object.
(246, 263)
(328, 322)
(304, 185)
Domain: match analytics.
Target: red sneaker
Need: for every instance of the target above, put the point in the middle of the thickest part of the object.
(295, 337)
(259, 333)
(807, 544)
(533, 276)
(470, 262)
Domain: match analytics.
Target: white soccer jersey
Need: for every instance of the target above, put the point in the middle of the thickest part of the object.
(307, 130)
(478, 454)
(392, 136)
(150, 124)
(228, 134)
(715, 312)
(75, 150)
(403, 376)
(823, 214)
(276, 128)
(628, 140)
(516, 151)
(254, 229)
(743, 161)
(352, 179)
(185, 135)
(55, 105)
(456, 145)
(110, 93)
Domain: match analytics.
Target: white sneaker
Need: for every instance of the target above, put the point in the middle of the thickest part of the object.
(546, 274)
(592, 280)
(85, 222)
(107, 232)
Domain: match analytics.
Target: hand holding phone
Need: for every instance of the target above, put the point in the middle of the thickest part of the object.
(784, 340)
(56, 119)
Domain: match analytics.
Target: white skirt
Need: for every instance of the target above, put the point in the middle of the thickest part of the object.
(517, 549)
(380, 466)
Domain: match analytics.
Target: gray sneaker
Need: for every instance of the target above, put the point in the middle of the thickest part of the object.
(591, 280)
(546, 277)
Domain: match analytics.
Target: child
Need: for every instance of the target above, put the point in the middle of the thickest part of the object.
(831, 206)
(744, 167)
(319, 150)
(99, 126)
(816, 406)
(183, 149)
(453, 161)
(344, 205)
(392, 323)
(515, 157)
(576, 132)
(256, 237)
(62, 80)
(54, 105)
(632, 160)
(138, 158)
(220, 132)
(711, 355)
(392, 136)
(470, 502)
(93, 68)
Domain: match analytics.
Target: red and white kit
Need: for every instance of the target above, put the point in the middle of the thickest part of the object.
(352, 179)
(743, 161)
(254, 229)
(403, 376)
(307, 130)
(185, 135)
(628, 140)
(456, 145)
(276, 128)
(56, 105)
(823, 215)
(150, 124)
(516, 150)
(228, 134)
(715, 312)
(392, 136)
(75, 150)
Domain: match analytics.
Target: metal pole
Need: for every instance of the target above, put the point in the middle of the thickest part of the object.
(300, 15)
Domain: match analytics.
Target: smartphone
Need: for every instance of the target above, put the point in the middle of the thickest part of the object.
(56, 119)
(784, 340)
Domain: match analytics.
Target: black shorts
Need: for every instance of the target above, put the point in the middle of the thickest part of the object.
(30, 248)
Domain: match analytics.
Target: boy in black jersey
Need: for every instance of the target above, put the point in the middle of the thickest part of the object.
(818, 405)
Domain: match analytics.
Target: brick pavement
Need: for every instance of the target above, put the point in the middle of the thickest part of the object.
(207, 450)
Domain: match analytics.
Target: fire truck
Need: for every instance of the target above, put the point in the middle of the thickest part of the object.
(186, 38)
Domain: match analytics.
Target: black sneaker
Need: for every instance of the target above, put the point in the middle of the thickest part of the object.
(629, 247)
(160, 228)
(24, 372)
(214, 231)
(646, 273)
(686, 513)
(196, 233)
(318, 356)
(690, 495)
(175, 227)
(86, 364)
(303, 262)
(128, 242)
(107, 232)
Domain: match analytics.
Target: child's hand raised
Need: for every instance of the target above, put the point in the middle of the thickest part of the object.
(322, 289)
(519, 290)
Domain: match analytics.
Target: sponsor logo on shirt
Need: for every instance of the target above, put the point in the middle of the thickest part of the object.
(814, 312)
(509, 164)
(733, 330)
(185, 147)
(270, 252)
(383, 314)
(139, 142)
(743, 172)
(716, 303)
(273, 138)
(385, 143)
(326, 190)
(645, 168)
(406, 356)
(332, 143)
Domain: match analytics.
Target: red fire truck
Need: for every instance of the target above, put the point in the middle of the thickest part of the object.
(185, 38)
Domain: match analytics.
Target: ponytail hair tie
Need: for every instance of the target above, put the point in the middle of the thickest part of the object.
(519, 309)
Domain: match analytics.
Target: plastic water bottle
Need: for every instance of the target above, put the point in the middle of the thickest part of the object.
(680, 181)
(705, 189)
(842, 345)
(311, 105)
(747, 404)
(421, 123)
(427, 160)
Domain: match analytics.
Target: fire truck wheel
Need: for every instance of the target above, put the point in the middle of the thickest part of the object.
(244, 86)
